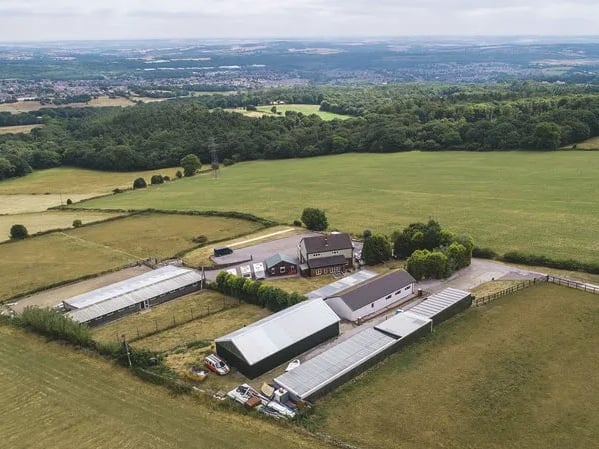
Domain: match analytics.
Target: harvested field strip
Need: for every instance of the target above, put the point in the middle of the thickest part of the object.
(65, 399)
(26, 129)
(20, 204)
(207, 328)
(517, 373)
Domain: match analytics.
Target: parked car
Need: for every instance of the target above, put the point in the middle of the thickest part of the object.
(217, 365)
(222, 251)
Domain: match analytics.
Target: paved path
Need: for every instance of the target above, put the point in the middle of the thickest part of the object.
(261, 237)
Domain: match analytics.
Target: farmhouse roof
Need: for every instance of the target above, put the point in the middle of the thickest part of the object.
(330, 242)
(327, 261)
(278, 258)
(363, 294)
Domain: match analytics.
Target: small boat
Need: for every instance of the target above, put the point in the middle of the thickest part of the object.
(292, 365)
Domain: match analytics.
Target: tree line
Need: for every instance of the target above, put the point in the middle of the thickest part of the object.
(529, 116)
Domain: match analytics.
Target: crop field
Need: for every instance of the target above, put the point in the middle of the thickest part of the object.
(22, 204)
(306, 109)
(52, 394)
(542, 203)
(589, 144)
(43, 221)
(30, 106)
(519, 373)
(179, 310)
(160, 235)
(207, 329)
(26, 129)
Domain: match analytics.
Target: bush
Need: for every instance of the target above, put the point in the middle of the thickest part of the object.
(367, 233)
(190, 164)
(166, 178)
(314, 219)
(376, 249)
(179, 175)
(484, 253)
(200, 239)
(424, 264)
(139, 183)
(544, 261)
(53, 324)
(156, 179)
(117, 190)
(18, 232)
(228, 162)
(69, 201)
(77, 223)
(297, 223)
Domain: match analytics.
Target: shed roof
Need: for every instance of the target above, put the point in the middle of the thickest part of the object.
(318, 372)
(327, 261)
(403, 324)
(276, 332)
(278, 258)
(143, 281)
(329, 242)
(121, 301)
(342, 284)
(363, 294)
(437, 303)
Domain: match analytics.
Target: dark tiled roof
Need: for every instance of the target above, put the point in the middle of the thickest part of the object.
(330, 242)
(278, 258)
(363, 294)
(327, 261)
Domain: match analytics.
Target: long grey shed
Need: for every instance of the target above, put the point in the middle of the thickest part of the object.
(443, 305)
(151, 288)
(345, 360)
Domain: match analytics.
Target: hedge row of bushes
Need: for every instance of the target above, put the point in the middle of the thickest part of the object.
(543, 261)
(55, 325)
(254, 292)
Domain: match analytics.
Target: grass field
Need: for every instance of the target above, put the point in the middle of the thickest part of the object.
(541, 203)
(26, 129)
(178, 311)
(30, 106)
(55, 397)
(207, 329)
(306, 109)
(519, 373)
(589, 144)
(42, 221)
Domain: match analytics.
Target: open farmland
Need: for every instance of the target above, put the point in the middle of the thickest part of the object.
(30, 106)
(495, 377)
(65, 399)
(43, 221)
(542, 203)
(306, 109)
(26, 129)
(589, 144)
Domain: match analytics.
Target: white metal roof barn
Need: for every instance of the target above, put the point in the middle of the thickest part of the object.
(265, 344)
(352, 356)
(342, 284)
(442, 305)
(149, 288)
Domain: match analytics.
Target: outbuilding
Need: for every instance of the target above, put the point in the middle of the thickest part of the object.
(443, 305)
(276, 339)
(259, 270)
(280, 265)
(373, 296)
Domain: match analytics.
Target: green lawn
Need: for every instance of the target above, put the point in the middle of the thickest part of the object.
(520, 373)
(542, 203)
(54, 397)
(306, 109)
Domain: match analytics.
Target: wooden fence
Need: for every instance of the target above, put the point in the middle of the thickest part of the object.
(572, 284)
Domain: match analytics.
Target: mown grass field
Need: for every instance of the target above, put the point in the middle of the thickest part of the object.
(48, 259)
(43, 221)
(541, 203)
(519, 373)
(179, 310)
(18, 129)
(306, 109)
(54, 397)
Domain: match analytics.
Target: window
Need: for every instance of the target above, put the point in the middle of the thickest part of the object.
(273, 271)
(408, 287)
(398, 292)
(318, 272)
(372, 305)
(388, 297)
(282, 269)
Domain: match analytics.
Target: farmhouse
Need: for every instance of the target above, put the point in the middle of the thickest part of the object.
(323, 254)
(267, 343)
(373, 296)
(138, 293)
(280, 265)
(347, 359)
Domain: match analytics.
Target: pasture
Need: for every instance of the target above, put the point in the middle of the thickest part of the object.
(30, 106)
(38, 222)
(306, 109)
(497, 376)
(589, 144)
(18, 129)
(66, 399)
(537, 202)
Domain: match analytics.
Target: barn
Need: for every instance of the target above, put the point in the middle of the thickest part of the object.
(137, 293)
(443, 305)
(267, 343)
(280, 265)
(342, 362)
(373, 296)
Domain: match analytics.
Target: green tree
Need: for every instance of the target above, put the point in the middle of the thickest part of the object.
(376, 249)
(77, 223)
(179, 174)
(18, 232)
(547, 136)
(314, 219)
(190, 164)
(139, 183)
(156, 179)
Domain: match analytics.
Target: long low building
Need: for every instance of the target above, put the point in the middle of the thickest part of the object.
(137, 293)
(345, 360)
(443, 305)
(271, 341)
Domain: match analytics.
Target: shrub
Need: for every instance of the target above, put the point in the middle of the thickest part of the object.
(77, 223)
(423, 264)
(228, 162)
(69, 201)
(297, 223)
(179, 175)
(139, 183)
(156, 179)
(376, 249)
(200, 239)
(166, 178)
(117, 190)
(18, 232)
(53, 324)
(190, 164)
(484, 253)
(367, 233)
(314, 219)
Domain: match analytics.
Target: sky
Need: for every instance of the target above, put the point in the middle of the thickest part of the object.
(43, 20)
